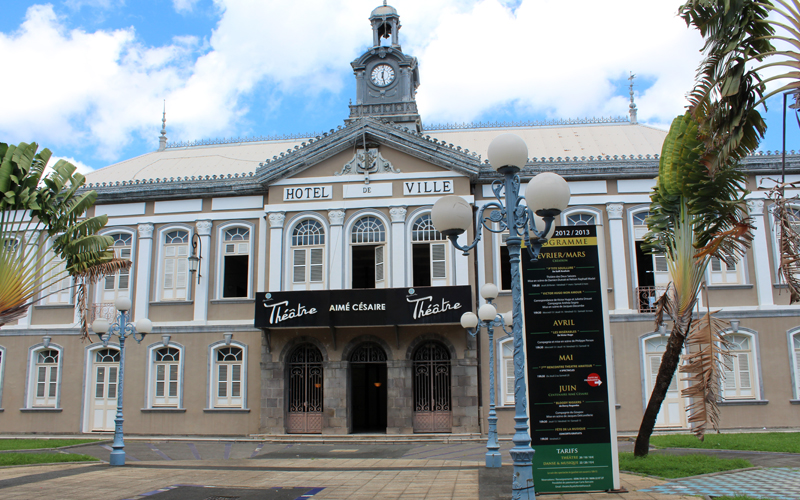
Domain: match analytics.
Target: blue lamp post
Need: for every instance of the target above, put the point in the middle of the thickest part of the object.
(122, 329)
(489, 318)
(546, 196)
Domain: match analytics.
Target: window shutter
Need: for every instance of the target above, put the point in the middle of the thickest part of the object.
(112, 382)
(438, 267)
(160, 381)
(661, 263)
(727, 368)
(124, 280)
(379, 263)
(509, 362)
(99, 382)
(223, 381)
(180, 276)
(169, 274)
(173, 381)
(109, 284)
(236, 380)
(716, 264)
(744, 371)
(299, 275)
(655, 362)
(316, 265)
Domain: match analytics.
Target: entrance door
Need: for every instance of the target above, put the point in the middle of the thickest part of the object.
(104, 392)
(673, 409)
(432, 407)
(368, 388)
(304, 415)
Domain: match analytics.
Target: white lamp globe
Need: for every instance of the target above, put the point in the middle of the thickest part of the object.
(100, 325)
(540, 225)
(469, 320)
(547, 194)
(507, 150)
(123, 304)
(489, 291)
(487, 312)
(451, 215)
(144, 326)
(508, 318)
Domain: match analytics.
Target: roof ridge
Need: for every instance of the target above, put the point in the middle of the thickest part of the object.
(526, 123)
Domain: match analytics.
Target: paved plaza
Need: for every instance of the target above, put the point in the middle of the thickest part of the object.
(204, 469)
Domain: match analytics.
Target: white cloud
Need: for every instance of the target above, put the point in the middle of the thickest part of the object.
(82, 167)
(183, 5)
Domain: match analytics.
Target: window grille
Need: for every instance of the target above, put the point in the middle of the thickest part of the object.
(580, 220)
(369, 230)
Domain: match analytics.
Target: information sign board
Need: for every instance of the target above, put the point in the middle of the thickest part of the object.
(568, 364)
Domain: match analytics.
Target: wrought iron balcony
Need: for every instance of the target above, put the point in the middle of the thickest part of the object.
(647, 296)
(102, 310)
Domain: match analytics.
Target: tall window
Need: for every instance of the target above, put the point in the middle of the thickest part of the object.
(429, 253)
(369, 252)
(308, 255)
(228, 388)
(505, 263)
(44, 382)
(236, 263)
(652, 273)
(174, 282)
(580, 219)
(724, 274)
(795, 359)
(166, 377)
(740, 368)
(119, 284)
(506, 372)
(56, 280)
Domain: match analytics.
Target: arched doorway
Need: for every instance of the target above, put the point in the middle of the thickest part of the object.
(673, 408)
(368, 388)
(105, 363)
(432, 404)
(304, 415)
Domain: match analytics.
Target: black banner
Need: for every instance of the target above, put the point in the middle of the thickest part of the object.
(363, 307)
(566, 362)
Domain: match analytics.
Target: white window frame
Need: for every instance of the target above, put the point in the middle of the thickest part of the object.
(151, 375)
(100, 287)
(220, 275)
(159, 278)
(793, 337)
(58, 293)
(776, 250)
(740, 270)
(755, 369)
(2, 372)
(449, 271)
(597, 214)
(290, 248)
(31, 381)
(387, 258)
(90, 351)
(502, 372)
(211, 379)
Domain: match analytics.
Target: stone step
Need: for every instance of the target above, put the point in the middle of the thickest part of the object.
(369, 438)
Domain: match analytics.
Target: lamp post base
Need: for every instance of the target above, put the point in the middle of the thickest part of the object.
(117, 457)
(493, 459)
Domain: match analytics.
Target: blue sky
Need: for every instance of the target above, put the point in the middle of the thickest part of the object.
(99, 71)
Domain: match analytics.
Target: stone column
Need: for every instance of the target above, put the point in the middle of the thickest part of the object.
(398, 215)
(261, 260)
(464, 384)
(276, 220)
(201, 291)
(143, 264)
(334, 405)
(619, 264)
(272, 393)
(336, 250)
(755, 209)
(399, 397)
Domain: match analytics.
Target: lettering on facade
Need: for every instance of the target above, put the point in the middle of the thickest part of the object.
(278, 313)
(357, 306)
(307, 193)
(424, 306)
(427, 187)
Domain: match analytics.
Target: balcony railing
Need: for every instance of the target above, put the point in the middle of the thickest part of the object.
(103, 310)
(647, 297)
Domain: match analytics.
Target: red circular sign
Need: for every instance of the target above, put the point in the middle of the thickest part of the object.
(594, 380)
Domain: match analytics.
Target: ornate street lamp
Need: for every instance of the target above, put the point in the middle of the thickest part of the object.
(196, 257)
(546, 195)
(122, 329)
(488, 318)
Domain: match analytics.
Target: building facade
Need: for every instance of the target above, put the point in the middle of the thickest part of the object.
(326, 302)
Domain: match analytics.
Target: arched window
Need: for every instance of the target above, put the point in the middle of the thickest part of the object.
(235, 262)
(119, 284)
(429, 253)
(580, 219)
(165, 387)
(229, 377)
(740, 370)
(175, 278)
(368, 247)
(103, 387)
(308, 255)
(44, 377)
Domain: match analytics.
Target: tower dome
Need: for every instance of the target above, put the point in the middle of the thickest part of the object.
(385, 23)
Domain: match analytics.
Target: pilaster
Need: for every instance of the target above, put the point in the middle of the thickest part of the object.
(755, 209)
(336, 250)
(619, 264)
(276, 220)
(398, 215)
(203, 228)
(143, 263)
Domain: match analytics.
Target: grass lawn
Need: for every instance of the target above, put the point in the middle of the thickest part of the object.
(785, 442)
(674, 466)
(739, 497)
(33, 444)
(42, 458)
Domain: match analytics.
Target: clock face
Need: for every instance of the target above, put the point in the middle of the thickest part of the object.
(382, 75)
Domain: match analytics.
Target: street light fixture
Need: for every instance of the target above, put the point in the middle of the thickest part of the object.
(489, 318)
(197, 255)
(122, 329)
(546, 195)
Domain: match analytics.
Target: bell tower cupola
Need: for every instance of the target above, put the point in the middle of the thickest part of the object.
(386, 79)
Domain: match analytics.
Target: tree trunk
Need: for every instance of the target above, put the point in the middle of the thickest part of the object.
(669, 362)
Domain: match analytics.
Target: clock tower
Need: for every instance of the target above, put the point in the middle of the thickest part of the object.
(386, 79)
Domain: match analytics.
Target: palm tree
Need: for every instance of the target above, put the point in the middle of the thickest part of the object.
(36, 208)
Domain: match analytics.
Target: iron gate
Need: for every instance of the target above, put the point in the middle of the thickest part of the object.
(305, 391)
(432, 408)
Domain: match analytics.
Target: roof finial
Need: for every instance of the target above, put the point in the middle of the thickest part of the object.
(162, 141)
(632, 105)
